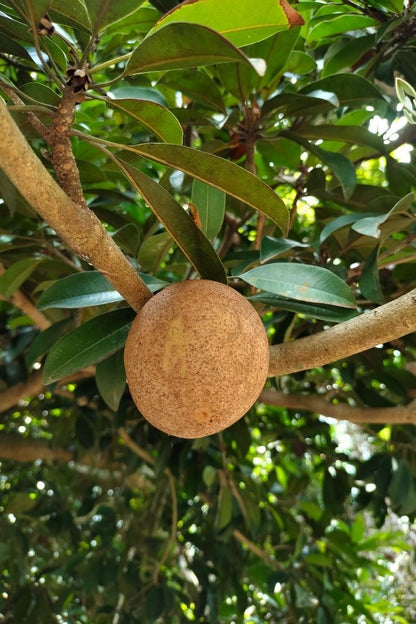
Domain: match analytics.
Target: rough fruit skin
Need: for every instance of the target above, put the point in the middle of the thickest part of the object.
(196, 358)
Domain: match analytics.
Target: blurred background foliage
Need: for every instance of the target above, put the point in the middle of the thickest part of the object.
(288, 516)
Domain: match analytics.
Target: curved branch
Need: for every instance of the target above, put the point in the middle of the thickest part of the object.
(77, 226)
(383, 324)
(19, 300)
(403, 415)
(23, 449)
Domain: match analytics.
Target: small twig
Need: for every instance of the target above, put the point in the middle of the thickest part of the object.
(261, 554)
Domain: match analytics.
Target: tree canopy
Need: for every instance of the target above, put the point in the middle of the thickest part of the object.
(269, 147)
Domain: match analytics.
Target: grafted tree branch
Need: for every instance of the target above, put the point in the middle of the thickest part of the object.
(383, 324)
(76, 225)
(402, 415)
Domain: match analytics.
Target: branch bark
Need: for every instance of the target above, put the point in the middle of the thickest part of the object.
(19, 300)
(76, 225)
(403, 415)
(21, 449)
(383, 324)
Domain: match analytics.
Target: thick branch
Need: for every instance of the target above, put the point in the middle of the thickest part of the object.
(77, 226)
(34, 385)
(21, 449)
(383, 324)
(403, 415)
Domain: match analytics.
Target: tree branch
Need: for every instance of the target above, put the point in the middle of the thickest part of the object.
(403, 415)
(77, 226)
(34, 385)
(19, 300)
(22, 449)
(383, 324)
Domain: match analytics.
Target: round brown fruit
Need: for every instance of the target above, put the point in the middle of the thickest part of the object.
(196, 358)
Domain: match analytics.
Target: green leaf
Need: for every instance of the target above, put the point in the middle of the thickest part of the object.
(71, 12)
(354, 135)
(88, 344)
(180, 226)
(35, 9)
(178, 46)
(350, 89)
(210, 203)
(337, 25)
(341, 222)
(197, 85)
(45, 341)
(370, 280)
(90, 288)
(252, 21)
(340, 166)
(224, 508)
(111, 379)
(332, 314)
(301, 282)
(371, 226)
(79, 290)
(154, 117)
(105, 12)
(153, 250)
(16, 274)
(274, 247)
(221, 174)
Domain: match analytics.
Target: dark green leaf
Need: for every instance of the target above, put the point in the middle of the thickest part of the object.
(196, 85)
(301, 282)
(339, 24)
(370, 280)
(88, 344)
(79, 290)
(210, 203)
(177, 46)
(153, 251)
(71, 12)
(16, 275)
(45, 341)
(187, 235)
(332, 314)
(351, 89)
(221, 174)
(105, 12)
(111, 379)
(156, 118)
(340, 166)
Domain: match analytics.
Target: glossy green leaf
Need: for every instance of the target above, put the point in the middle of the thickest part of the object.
(44, 341)
(156, 118)
(295, 104)
(354, 135)
(90, 288)
(372, 226)
(341, 222)
(177, 46)
(331, 314)
(71, 12)
(301, 282)
(340, 166)
(110, 377)
(34, 9)
(196, 85)
(79, 290)
(210, 203)
(88, 344)
(177, 222)
(153, 250)
(251, 21)
(339, 24)
(344, 53)
(350, 89)
(370, 280)
(105, 12)
(274, 247)
(221, 174)
(224, 508)
(16, 275)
